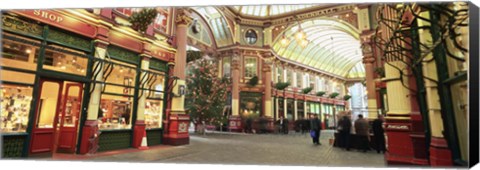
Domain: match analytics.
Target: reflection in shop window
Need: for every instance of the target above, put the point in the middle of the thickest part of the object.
(15, 106)
(115, 112)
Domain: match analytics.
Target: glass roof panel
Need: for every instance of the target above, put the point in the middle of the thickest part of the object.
(270, 10)
(217, 23)
(333, 46)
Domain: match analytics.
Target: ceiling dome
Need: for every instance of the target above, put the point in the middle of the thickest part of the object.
(270, 10)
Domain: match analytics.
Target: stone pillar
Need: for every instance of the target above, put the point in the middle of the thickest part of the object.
(235, 123)
(90, 128)
(140, 127)
(178, 121)
(368, 60)
(268, 108)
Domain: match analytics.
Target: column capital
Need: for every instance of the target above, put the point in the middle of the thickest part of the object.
(235, 63)
(183, 17)
(368, 60)
(101, 44)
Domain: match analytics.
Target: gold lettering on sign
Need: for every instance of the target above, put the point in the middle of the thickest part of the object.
(400, 127)
(49, 16)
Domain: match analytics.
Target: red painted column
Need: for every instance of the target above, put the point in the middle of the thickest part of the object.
(176, 131)
(235, 121)
(90, 131)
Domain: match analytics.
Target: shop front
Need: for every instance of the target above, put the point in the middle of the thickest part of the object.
(44, 81)
(49, 73)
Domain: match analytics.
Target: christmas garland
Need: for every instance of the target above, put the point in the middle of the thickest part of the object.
(141, 20)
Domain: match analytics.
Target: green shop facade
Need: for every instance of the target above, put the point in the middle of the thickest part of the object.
(55, 77)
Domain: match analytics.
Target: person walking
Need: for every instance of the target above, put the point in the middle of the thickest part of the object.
(378, 134)
(315, 126)
(344, 126)
(285, 125)
(361, 130)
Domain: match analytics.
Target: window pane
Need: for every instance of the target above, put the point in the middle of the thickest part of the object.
(19, 55)
(226, 66)
(250, 67)
(72, 107)
(121, 74)
(115, 112)
(153, 113)
(15, 107)
(48, 104)
(65, 60)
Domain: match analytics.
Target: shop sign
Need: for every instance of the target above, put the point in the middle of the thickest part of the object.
(159, 53)
(16, 24)
(397, 127)
(56, 19)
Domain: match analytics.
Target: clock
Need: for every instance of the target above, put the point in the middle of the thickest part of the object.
(196, 27)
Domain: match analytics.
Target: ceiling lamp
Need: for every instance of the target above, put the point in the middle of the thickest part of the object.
(284, 41)
(300, 35)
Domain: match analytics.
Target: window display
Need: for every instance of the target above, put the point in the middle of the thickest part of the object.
(115, 112)
(15, 105)
(154, 103)
(117, 100)
(153, 113)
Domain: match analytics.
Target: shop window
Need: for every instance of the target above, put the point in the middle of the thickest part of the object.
(18, 54)
(155, 99)
(65, 60)
(117, 99)
(15, 106)
(115, 112)
(250, 67)
(227, 66)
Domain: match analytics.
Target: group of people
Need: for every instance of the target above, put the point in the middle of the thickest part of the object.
(362, 133)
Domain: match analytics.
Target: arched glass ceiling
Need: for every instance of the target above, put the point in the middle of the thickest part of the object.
(333, 46)
(218, 24)
(358, 71)
(269, 10)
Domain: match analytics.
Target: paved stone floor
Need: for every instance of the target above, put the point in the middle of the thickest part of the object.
(253, 149)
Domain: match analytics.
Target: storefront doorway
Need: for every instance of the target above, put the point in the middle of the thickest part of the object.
(56, 117)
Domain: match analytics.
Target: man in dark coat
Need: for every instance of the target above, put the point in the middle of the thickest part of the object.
(344, 126)
(378, 134)
(315, 126)
(361, 130)
(285, 125)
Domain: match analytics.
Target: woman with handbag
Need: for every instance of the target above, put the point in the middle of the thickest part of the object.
(315, 127)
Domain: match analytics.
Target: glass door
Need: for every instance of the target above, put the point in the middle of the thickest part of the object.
(68, 124)
(46, 116)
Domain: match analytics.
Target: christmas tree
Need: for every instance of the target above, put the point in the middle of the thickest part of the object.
(207, 93)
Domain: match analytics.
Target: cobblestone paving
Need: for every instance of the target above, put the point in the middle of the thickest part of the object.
(254, 149)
